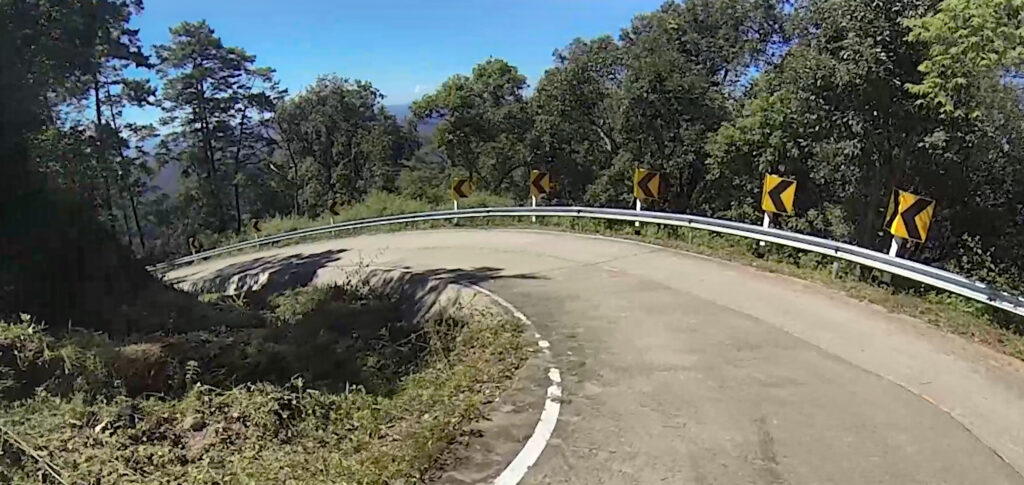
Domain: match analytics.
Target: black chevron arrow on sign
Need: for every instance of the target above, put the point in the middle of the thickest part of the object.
(645, 185)
(538, 184)
(909, 217)
(458, 188)
(256, 225)
(775, 195)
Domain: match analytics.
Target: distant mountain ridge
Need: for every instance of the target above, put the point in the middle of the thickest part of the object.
(401, 111)
(167, 178)
(404, 111)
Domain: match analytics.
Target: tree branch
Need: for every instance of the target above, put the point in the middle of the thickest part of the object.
(608, 143)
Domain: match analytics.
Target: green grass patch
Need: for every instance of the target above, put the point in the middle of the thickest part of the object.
(325, 385)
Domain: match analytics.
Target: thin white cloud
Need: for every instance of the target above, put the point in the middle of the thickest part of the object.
(419, 89)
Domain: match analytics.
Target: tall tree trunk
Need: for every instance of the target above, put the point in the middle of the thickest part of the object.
(208, 152)
(237, 164)
(138, 225)
(127, 228)
(329, 168)
(295, 192)
(295, 174)
(108, 201)
(128, 190)
(99, 109)
(100, 145)
(238, 209)
(204, 128)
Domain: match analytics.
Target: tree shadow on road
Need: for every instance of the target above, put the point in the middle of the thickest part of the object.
(268, 274)
(262, 277)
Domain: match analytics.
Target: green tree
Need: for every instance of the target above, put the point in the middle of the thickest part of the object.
(485, 128)
(576, 118)
(120, 146)
(652, 99)
(340, 142)
(974, 46)
(833, 113)
(838, 113)
(59, 262)
(255, 99)
(972, 81)
(684, 62)
(217, 104)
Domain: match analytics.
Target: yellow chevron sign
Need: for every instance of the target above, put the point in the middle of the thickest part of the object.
(334, 207)
(778, 194)
(462, 188)
(540, 183)
(913, 216)
(646, 184)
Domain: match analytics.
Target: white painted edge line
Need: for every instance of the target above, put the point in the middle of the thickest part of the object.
(534, 446)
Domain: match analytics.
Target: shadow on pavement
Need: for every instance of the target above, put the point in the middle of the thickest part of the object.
(270, 274)
(263, 277)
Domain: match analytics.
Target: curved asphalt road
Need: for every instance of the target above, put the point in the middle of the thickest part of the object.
(683, 369)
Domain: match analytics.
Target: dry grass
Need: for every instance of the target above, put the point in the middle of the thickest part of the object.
(325, 391)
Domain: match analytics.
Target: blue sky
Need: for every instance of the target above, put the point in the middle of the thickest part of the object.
(405, 48)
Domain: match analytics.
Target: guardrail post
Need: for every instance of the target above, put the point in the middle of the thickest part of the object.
(533, 201)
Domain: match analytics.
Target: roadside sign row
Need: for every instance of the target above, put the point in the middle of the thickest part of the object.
(908, 216)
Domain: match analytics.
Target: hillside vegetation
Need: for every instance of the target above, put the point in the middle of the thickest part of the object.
(323, 385)
(851, 98)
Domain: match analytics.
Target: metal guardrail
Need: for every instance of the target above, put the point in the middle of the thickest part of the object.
(916, 271)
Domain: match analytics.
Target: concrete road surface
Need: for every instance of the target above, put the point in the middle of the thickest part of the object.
(682, 369)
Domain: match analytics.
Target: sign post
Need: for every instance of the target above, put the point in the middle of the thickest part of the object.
(461, 188)
(334, 208)
(777, 197)
(540, 185)
(639, 208)
(646, 185)
(256, 230)
(894, 247)
(194, 244)
(766, 223)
